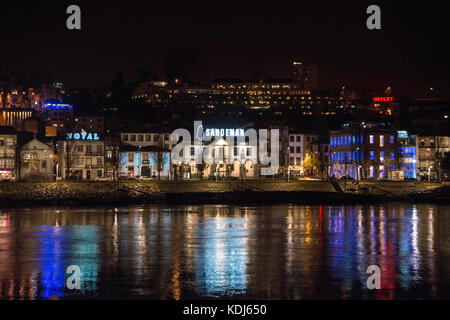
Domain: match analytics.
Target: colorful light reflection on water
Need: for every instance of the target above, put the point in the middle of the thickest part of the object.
(190, 252)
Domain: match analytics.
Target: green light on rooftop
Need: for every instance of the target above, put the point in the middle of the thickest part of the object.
(297, 63)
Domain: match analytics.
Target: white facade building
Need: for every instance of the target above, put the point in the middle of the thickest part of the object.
(8, 144)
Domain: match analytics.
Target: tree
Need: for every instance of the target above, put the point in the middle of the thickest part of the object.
(114, 161)
(308, 164)
(69, 156)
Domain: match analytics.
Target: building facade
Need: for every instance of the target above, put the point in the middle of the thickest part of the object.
(364, 151)
(145, 154)
(431, 152)
(37, 160)
(81, 156)
(8, 146)
(301, 144)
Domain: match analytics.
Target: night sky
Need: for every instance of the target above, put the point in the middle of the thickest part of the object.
(235, 39)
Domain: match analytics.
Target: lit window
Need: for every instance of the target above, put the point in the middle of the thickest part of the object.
(392, 155)
(381, 141)
(381, 156)
(392, 139)
(372, 155)
(371, 139)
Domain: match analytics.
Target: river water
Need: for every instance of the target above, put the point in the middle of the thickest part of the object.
(209, 252)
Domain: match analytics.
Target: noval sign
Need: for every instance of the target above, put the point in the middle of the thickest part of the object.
(82, 136)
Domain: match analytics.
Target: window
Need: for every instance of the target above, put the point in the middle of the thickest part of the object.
(291, 149)
(381, 172)
(166, 137)
(147, 137)
(307, 139)
(291, 138)
(298, 150)
(130, 157)
(192, 151)
(155, 138)
(109, 154)
(392, 168)
(44, 164)
(381, 141)
(125, 137)
(145, 156)
(99, 173)
(392, 139)
(140, 137)
(133, 137)
(291, 161)
(299, 138)
(392, 155)
(99, 162)
(371, 139)
(381, 156)
(236, 149)
(372, 155)
(80, 148)
(299, 160)
(89, 149)
(249, 152)
(99, 149)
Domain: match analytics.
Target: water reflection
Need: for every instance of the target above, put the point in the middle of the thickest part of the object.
(182, 252)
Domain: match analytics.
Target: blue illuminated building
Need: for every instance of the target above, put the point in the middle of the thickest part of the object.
(408, 154)
(364, 151)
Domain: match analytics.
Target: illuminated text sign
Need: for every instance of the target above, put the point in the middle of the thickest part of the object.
(383, 99)
(82, 136)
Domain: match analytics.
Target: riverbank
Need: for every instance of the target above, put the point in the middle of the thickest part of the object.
(222, 192)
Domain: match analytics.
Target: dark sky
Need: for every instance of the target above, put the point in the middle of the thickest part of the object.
(410, 53)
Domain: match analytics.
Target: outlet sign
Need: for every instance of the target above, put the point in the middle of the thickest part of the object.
(89, 136)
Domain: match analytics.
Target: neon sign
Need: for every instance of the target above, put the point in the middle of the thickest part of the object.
(82, 136)
(214, 132)
(57, 106)
(383, 99)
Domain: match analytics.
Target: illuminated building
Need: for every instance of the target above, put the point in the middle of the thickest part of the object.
(81, 156)
(56, 115)
(431, 151)
(14, 117)
(407, 152)
(364, 151)
(299, 146)
(145, 154)
(305, 76)
(37, 160)
(8, 146)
